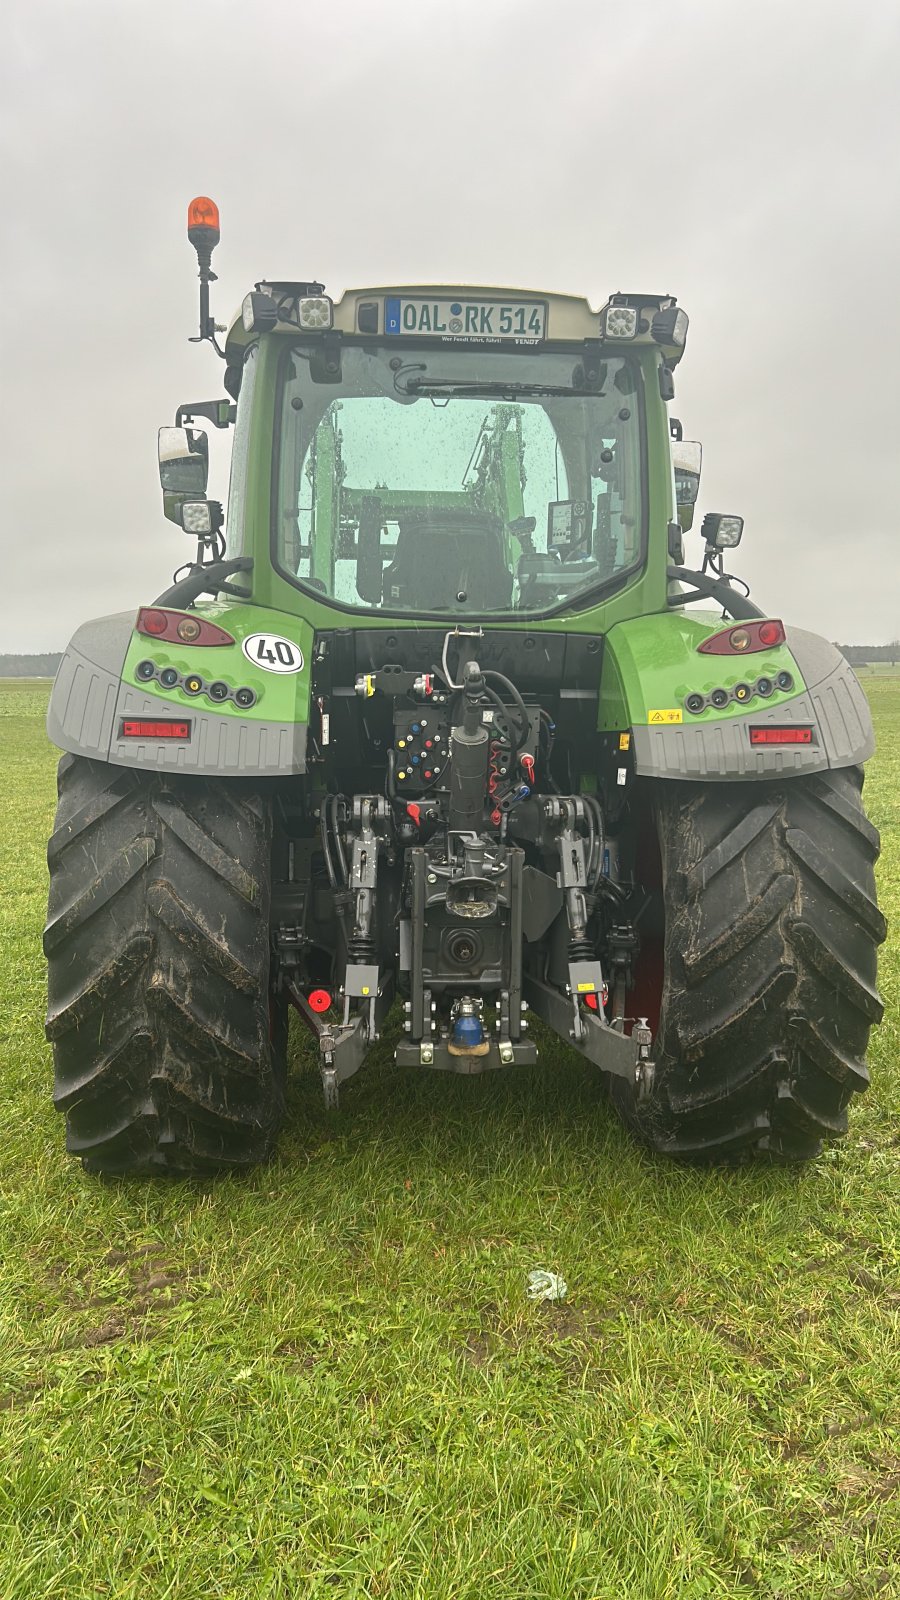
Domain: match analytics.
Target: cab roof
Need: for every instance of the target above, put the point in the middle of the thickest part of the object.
(561, 318)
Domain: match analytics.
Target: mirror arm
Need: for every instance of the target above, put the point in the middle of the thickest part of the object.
(221, 413)
(206, 580)
(706, 588)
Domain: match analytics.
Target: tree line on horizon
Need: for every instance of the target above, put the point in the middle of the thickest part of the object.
(864, 655)
(39, 666)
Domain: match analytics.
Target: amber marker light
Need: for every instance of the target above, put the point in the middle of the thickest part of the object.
(203, 233)
(203, 217)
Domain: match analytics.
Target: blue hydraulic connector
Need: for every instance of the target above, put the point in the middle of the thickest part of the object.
(514, 796)
(468, 1031)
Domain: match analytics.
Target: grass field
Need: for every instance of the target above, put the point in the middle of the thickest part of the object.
(326, 1379)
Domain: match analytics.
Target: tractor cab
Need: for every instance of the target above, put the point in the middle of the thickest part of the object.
(452, 454)
(460, 484)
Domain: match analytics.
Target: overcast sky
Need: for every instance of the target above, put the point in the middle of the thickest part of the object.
(745, 157)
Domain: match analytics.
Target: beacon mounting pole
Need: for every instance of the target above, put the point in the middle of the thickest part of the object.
(203, 232)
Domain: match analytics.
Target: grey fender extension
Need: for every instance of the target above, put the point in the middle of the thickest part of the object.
(834, 703)
(81, 713)
(89, 701)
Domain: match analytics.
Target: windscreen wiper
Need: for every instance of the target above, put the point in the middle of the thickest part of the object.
(497, 391)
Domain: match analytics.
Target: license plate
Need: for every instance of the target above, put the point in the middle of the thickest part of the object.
(483, 321)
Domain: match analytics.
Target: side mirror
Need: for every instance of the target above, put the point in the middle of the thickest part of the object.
(720, 531)
(687, 456)
(183, 461)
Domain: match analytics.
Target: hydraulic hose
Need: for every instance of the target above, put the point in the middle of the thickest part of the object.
(333, 806)
(203, 580)
(591, 871)
(329, 864)
(731, 600)
(497, 677)
(594, 810)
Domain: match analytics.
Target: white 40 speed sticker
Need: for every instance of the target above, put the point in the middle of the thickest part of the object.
(273, 653)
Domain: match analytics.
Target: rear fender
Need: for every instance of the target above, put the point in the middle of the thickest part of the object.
(97, 690)
(652, 665)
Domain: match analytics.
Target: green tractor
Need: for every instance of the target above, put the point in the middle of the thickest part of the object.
(454, 725)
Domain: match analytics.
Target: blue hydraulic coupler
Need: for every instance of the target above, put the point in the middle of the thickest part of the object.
(468, 1031)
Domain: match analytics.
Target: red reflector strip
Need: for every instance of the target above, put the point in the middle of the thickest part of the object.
(132, 729)
(781, 735)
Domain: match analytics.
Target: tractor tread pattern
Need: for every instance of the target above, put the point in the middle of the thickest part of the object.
(726, 942)
(157, 942)
(772, 930)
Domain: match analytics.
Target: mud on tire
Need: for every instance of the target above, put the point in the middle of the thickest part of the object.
(157, 941)
(771, 935)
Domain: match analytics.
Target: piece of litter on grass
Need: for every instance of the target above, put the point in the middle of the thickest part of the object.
(543, 1285)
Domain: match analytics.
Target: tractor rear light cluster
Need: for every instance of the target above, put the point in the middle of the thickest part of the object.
(191, 683)
(770, 734)
(153, 728)
(740, 694)
(179, 627)
(744, 640)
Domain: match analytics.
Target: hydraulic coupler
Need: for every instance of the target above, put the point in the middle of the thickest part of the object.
(565, 815)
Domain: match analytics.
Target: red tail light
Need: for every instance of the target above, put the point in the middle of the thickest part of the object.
(743, 640)
(773, 735)
(179, 627)
(134, 728)
(319, 1000)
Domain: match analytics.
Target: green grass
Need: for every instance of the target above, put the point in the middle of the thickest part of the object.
(325, 1379)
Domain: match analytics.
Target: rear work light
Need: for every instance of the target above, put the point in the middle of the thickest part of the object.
(619, 322)
(140, 728)
(179, 627)
(773, 735)
(744, 640)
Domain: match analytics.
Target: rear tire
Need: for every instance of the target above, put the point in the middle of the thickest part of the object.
(157, 942)
(768, 991)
